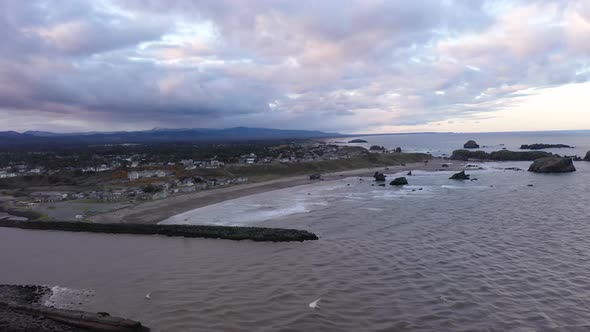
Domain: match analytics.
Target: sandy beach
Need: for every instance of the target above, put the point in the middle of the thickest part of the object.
(155, 211)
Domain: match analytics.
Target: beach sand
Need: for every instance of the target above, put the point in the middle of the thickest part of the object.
(153, 212)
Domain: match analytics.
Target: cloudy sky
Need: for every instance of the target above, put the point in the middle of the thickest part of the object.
(333, 65)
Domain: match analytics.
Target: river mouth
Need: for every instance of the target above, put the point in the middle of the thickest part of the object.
(491, 254)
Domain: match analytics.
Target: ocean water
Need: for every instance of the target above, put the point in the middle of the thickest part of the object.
(495, 254)
(444, 143)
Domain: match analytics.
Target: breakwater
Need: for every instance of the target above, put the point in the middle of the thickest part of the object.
(193, 231)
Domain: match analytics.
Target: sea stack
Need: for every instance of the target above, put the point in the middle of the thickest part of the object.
(552, 165)
(587, 158)
(471, 144)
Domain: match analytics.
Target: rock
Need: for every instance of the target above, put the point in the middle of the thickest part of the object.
(516, 169)
(381, 184)
(503, 155)
(540, 146)
(465, 155)
(379, 177)
(409, 173)
(574, 158)
(315, 177)
(471, 144)
(357, 141)
(399, 182)
(398, 149)
(445, 165)
(552, 165)
(587, 158)
(460, 176)
(376, 148)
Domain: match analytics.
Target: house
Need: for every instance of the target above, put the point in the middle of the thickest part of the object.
(134, 175)
(249, 158)
(187, 162)
(49, 197)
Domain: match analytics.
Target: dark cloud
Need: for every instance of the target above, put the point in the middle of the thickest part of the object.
(331, 65)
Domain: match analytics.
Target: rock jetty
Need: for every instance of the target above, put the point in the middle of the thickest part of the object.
(552, 165)
(193, 231)
(540, 146)
(460, 176)
(399, 182)
(471, 144)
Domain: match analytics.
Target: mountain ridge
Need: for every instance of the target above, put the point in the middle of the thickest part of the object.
(160, 135)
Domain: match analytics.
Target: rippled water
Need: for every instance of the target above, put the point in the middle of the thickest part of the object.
(486, 255)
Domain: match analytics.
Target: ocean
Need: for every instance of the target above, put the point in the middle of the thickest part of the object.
(507, 252)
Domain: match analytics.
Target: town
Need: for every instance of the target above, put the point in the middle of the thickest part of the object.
(74, 183)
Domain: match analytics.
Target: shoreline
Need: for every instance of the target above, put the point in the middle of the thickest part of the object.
(21, 309)
(155, 211)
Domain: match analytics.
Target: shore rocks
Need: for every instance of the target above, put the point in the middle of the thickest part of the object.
(587, 158)
(315, 177)
(357, 141)
(379, 177)
(503, 155)
(21, 309)
(398, 150)
(210, 232)
(552, 165)
(540, 146)
(460, 176)
(471, 144)
(399, 182)
(376, 148)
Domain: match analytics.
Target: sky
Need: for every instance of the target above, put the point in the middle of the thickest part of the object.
(346, 66)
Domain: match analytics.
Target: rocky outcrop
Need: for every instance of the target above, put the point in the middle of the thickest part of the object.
(503, 155)
(211, 232)
(21, 310)
(357, 141)
(398, 150)
(379, 177)
(552, 165)
(460, 176)
(471, 144)
(587, 158)
(399, 182)
(465, 155)
(376, 148)
(540, 146)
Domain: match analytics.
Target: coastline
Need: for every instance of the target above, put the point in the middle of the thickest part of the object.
(155, 211)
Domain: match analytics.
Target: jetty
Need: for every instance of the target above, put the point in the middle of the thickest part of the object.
(259, 234)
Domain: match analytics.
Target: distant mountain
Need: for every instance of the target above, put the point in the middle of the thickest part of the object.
(9, 134)
(158, 135)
